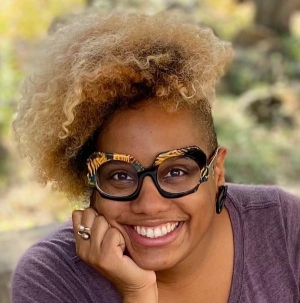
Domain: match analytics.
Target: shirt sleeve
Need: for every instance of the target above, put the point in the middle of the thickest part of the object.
(41, 276)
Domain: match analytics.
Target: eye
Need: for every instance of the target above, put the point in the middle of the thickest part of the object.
(122, 176)
(175, 172)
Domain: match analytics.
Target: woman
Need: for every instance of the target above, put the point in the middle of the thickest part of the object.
(123, 104)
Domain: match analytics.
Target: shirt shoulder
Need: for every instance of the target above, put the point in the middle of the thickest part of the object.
(269, 203)
(247, 197)
(266, 228)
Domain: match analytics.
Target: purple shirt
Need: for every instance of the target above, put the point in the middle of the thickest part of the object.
(266, 227)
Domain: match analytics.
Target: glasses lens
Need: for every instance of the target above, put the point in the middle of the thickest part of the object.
(178, 174)
(117, 178)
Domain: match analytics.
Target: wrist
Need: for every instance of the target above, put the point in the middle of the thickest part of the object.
(147, 295)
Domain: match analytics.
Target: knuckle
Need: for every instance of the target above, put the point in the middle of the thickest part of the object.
(100, 220)
(76, 214)
(90, 212)
(113, 232)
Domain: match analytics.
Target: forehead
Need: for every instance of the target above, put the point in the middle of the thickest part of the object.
(148, 130)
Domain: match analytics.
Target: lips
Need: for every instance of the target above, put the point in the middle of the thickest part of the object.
(156, 232)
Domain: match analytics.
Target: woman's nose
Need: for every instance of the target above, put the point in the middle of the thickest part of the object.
(150, 201)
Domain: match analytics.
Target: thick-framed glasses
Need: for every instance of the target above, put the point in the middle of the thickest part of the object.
(175, 173)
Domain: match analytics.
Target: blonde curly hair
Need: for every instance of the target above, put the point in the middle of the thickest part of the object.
(96, 65)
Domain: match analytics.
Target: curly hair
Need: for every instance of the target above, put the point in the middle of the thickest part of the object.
(96, 65)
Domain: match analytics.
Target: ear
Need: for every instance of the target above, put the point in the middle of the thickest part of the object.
(219, 168)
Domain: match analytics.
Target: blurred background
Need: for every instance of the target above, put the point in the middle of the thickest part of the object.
(257, 109)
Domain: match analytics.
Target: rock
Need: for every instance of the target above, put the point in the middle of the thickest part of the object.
(275, 106)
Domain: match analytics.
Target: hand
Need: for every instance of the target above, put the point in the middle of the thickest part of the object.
(104, 251)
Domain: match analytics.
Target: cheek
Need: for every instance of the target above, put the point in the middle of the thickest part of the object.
(103, 207)
(111, 210)
(202, 206)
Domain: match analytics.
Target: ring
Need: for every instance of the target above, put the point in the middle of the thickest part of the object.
(84, 232)
(82, 228)
(84, 235)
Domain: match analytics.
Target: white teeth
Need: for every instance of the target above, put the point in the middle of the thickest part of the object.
(150, 233)
(143, 232)
(164, 231)
(157, 231)
(168, 227)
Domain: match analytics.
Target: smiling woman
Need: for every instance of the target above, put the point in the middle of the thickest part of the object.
(119, 116)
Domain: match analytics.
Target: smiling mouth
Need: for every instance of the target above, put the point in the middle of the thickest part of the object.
(156, 232)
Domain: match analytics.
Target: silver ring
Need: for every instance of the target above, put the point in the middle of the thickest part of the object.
(84, 232)
(82, 228)
(84, 235)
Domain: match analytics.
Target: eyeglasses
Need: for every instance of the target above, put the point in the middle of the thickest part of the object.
(175, 173)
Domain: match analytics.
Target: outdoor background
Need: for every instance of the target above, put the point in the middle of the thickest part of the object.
(257, 109)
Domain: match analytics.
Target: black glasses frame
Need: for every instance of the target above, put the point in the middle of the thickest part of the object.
(193, 152)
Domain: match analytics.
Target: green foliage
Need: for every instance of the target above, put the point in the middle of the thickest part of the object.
(292, 47)
(259, 66)
(10, 75)
(255, 154)
(231, 17)
(21, 21)
(30, 19)
(225, 16)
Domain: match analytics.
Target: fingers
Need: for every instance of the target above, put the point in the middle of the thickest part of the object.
(99, 230)
(104, 252)
(113, 241)
(103, 239)
(97, 227)
(85, 219)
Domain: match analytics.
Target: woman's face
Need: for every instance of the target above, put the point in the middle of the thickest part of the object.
(144, 133)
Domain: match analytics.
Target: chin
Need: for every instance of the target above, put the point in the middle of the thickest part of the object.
(154, 264)
(154, 267)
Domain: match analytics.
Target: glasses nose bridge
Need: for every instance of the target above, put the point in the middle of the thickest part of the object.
(152, 173)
